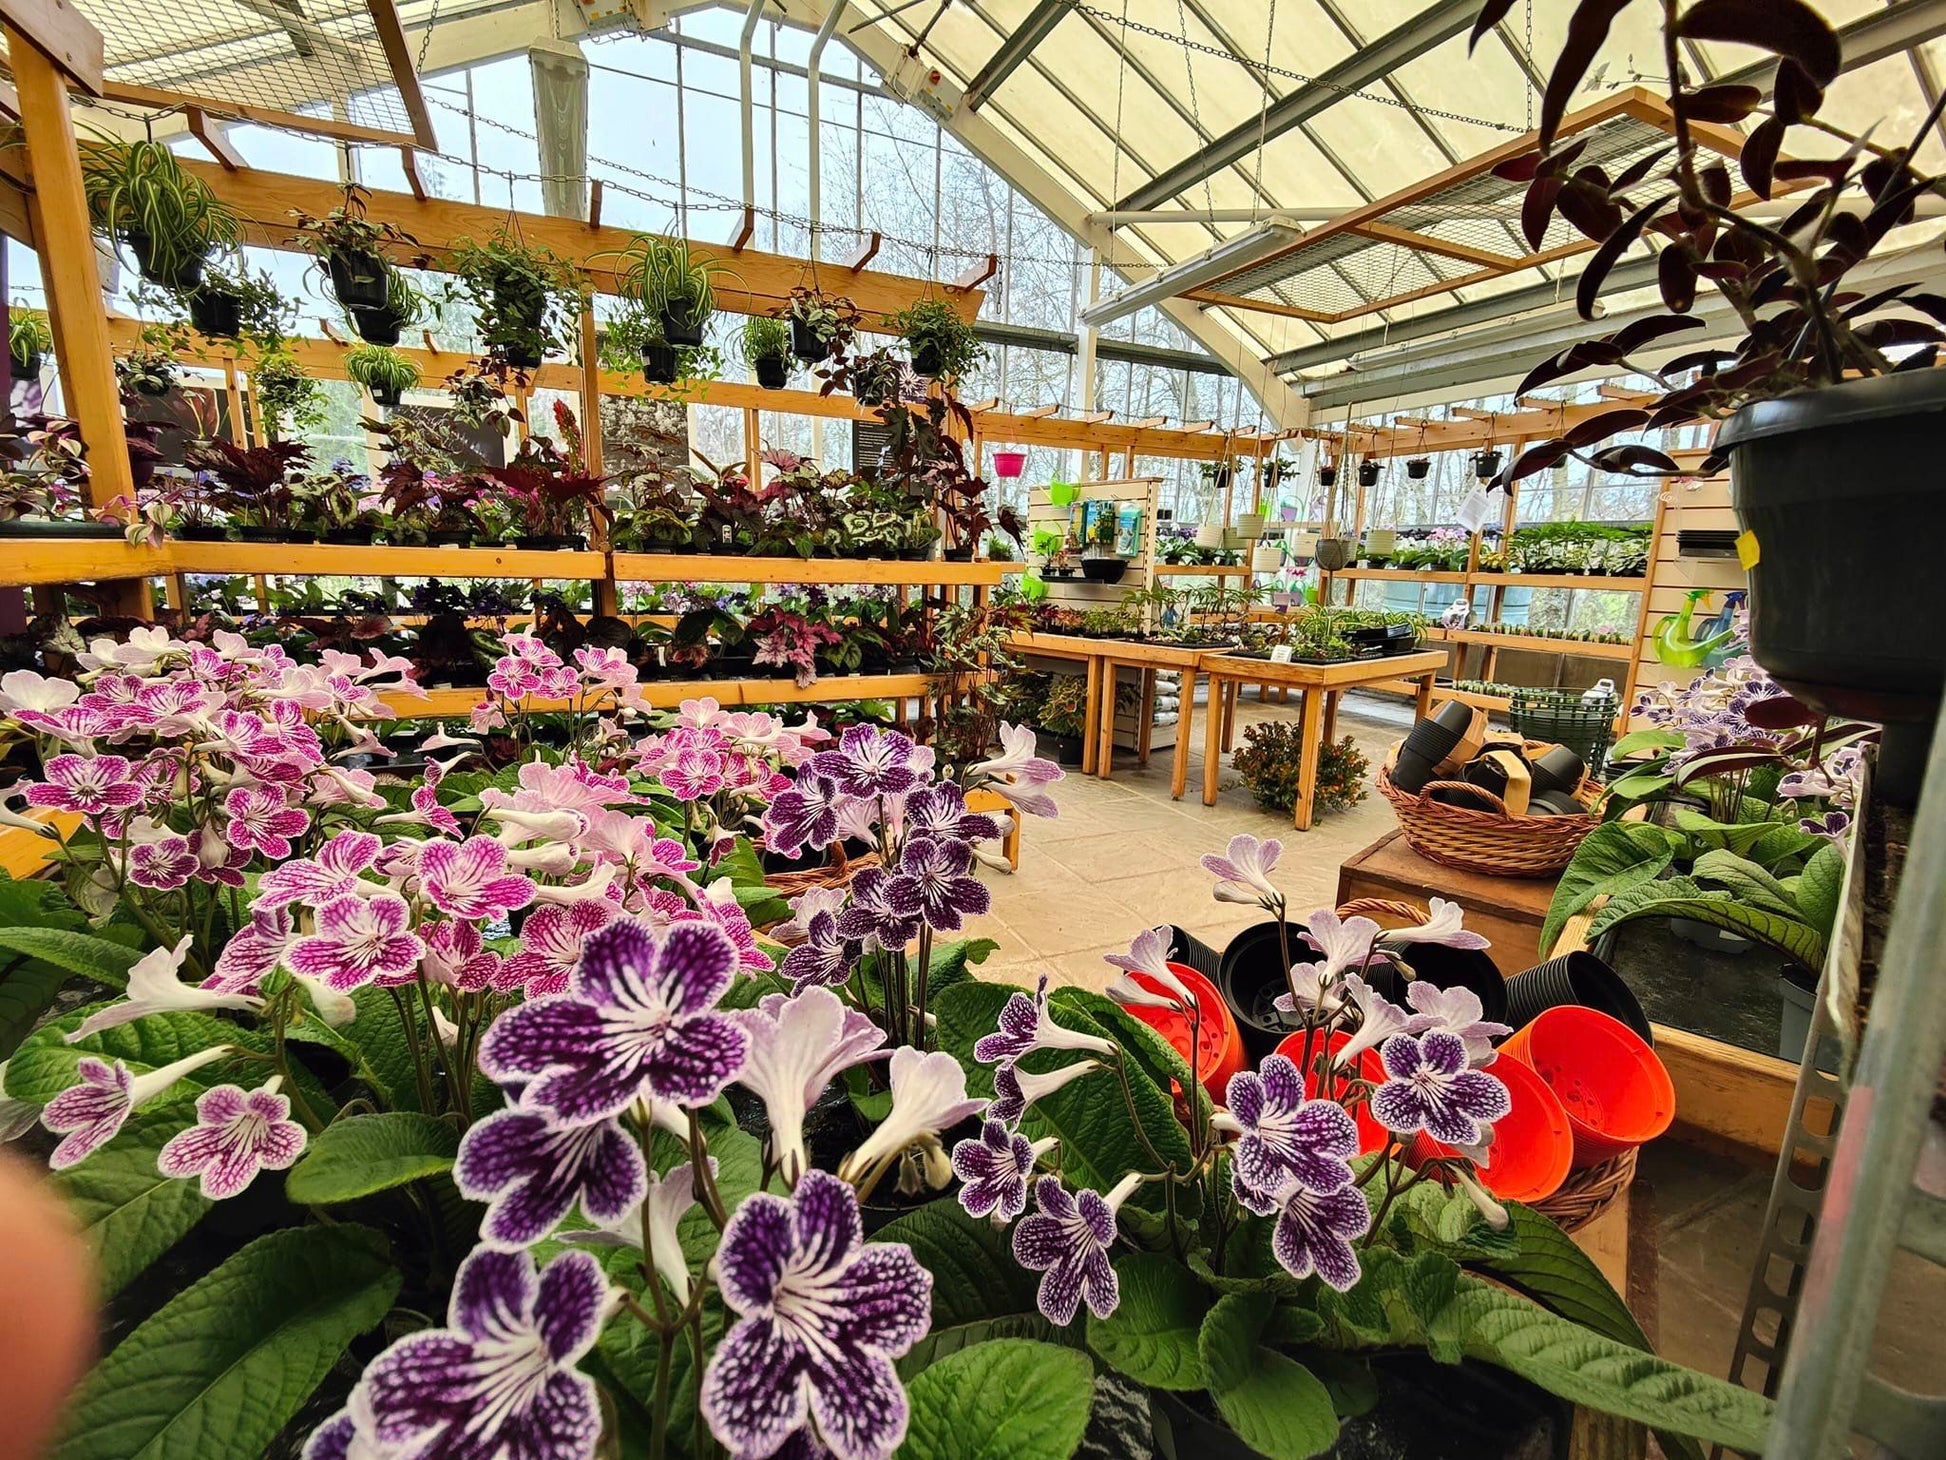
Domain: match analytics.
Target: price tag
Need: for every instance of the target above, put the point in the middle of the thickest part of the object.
(1747, 552)
(1474, 509)
(1280, 653)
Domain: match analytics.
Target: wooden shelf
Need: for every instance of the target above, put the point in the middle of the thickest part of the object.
(1634, 584)
(25, 560)
(1538, 643)
(1398, 575)
(668, 694)
(353, 561)
(724, 568)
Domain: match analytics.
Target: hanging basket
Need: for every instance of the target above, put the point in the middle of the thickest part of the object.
(1009, 464)
(1488, 842)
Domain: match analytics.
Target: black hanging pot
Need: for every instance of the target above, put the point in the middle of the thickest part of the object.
(216, 314)
(1827, 489)
(1418, 468)
(522, 355)
(1368, 473)
(387, 395)
(1486, 466)
(659, 364)
(1327, 476)
(377, 326)
(361, 279)
(29, 368)
(185, 277)
(679, 327)
(925, 360)
(806, 342)
(773, 372)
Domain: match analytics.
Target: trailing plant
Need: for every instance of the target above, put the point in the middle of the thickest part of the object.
(289, 399)
(484, 394)
(139, 194)
(381, 370)
(942, 345)
(351, 248)
(527, 300)
(147, 368)
(830, 321)
(29, 339)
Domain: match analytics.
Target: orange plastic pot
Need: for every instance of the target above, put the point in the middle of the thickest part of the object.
(1371, 1135)
(1220, 1051)
(1616, 1092)
(1533, 1144)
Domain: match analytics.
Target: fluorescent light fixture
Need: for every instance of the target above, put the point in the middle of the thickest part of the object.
(1218, 263)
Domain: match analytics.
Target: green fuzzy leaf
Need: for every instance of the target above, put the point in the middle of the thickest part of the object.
(45, 1064)
(974, 1275)
(1009, 1399)
(1614, 857)
(1275, 1404)
(1637, 741)
(1567, 1360)
(953, 962)
(1784, 842)
(363, 1154)
(1157, 1057)
(218, 1370)
(26, 993)
(1680, 897)
(1549, 1268)
(1706, 835)
(1152, 1334)
(100, 959)
(1746, 879)
(1819, 888)
(130, 1213)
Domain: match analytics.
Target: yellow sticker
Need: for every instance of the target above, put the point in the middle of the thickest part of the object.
(1748, 553)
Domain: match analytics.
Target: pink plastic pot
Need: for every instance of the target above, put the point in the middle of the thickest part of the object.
(1009, 463)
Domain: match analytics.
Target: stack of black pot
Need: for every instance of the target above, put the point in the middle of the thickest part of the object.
(1453, 752)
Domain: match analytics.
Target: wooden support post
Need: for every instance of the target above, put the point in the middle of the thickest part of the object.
(594, 203)
(607, 598)
(233, 392)
(409, 164)
(752, 444)
(974, 277)
(216, 144)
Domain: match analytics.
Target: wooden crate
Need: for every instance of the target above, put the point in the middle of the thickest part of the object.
(1507, 910)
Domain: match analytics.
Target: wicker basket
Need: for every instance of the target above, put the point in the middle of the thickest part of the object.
(1489, 842)
(836, 872)
(1562, 717)
(1589, 1192)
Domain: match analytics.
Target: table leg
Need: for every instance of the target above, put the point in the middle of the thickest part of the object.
(1105, 748)
(1145, 717)
(1185, 719)
(1213, 739)
(1330, 716)
(1089, 715)
(1230, 716)
(1310, 733)
(1422, 702)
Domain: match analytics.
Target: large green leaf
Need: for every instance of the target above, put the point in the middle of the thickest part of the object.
(1615, 856)
(953, 962)
(221, 1368)
(1276, 1405)
(1819, 888)
(1549, 1268)
(363, 1154)
(1680, 897)
(129, 1211)
(1637, 741)
(27, 991)
(1747, 881)
(104, 961)
(1705, 834)
(1568, 1360)
(1152, 1334)
(1005, 1400)
(45, 1064)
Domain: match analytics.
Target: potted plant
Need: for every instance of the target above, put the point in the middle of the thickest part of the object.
(234, 302)
(822, 325)
(332, 505)
(555, 493)
(876, 377)
(1327, 473)
(1269, 759)
(147, 369)
(1418, 467)
(383, 371)
(29, 341)
(1369, 472)
(1486, 464)
(526, 298)
(941, 345)
(139, 194)
(289, 399)
(254, 485)
(404, 305)
(766, 345)
(42, 480)
(353, 249)
(670, 284)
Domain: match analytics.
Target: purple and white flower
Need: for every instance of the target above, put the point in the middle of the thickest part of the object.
(1283, 1137)
(884, 910)
(1834, 826)
(821, 1318)
(90, 1114)
(1314, 1233)
(1428, 1087)
(1456, 1011)
(88, 786)
(261, 820)
(1346, 943)
(994, 1168)
(928, 1096)
(531, 1174)
(797, 1046)
(939, 810)
(805, 815)
(500, 1378)
(1018, 773)
(870, 762)
(237, 1134)
(1243, 872)
(824, 959)
(470, 880)
(1442, 926)
(1015, 1089)
(359, 939)
(932, 875)
(1026, 1025)
(155, 988)
(1378, 1019)
(639, 1021)
(1148, 955)
(550, 944)
(1067, 1241)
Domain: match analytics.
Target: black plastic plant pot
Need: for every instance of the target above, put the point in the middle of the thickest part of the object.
(200, 531)
(773, 372)
(353, 536)
(1368, 472)
(521, 355)
(1446, 968)
(217, 315)
(29, 368)
(1327, 476)
(925, 360)
(1486, 465)
(360, 279)
(1874, 655)
(379, 326)
(681, 328)
(1250, 976)
(659, 364)
(1189, 949)
(44, 527)
(806, 342)
(552, 542)
(1418, 468)
(1574, 978)
(184, 277)
(273, 534)
(387, 395)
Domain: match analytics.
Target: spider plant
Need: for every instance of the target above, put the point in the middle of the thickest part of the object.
(766, 345)
(383, 371)
(139, 194)
(662, 276)
(29, 340)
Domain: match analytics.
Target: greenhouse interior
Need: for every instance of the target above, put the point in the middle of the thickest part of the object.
(972, 730)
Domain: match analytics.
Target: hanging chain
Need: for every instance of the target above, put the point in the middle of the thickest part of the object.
(1263, 107)
(1195, 111)
(425, 41)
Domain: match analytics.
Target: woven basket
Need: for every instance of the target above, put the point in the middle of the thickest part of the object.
(836, 872)
(1489, 842)
(1589, 1192)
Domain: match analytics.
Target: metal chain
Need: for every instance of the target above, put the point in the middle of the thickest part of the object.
(1263, 107)
(1195, 112)
(1157, 33)
(425, 41)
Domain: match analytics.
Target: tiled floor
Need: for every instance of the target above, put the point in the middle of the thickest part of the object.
(1122, 856)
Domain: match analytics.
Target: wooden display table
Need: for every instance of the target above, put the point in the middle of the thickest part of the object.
(1507, 910)
(1147, 658)
(1321, 684)
(1085, 652)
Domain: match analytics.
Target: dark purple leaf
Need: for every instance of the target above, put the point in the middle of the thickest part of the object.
(1716, 184)
(1491, 14)
(1727, 761)
(1628, 458)
(1797, 96)
(1675, 275)
(1721, 103)
(1697, 360)
(1608, 423)
(1929, 304)
(1771, 288)
(1521, 168)
(1780, 712)
(1537, 209)
(1883, 334)
(1558, 164)
(1759, 156)
(1788, 28)
(1587, 32)
(1584, 356)
(1589, 209)
(1639, 169)
(1537, 458)
(1796, 169)
(1611, 250)
(1632, 337)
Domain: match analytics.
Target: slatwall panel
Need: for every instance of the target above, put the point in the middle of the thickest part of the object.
(1692, 507)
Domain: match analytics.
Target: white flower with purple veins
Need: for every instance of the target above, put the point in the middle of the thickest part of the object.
(1428, 1087)
(1243, 872)
(1314, 1233)
(1018, 773)
(824, 959)
(1026, 1025)
(357, 940)
(90, 1114)
(1456, 1011)
(1014, 1089)
(1442, 926)
(1833, 826)
(806, 906)
(928, 1096)
(531, 1174)
(805, 815)
(154, 987)
(638, 1022)
(88, 786)
(550, 944)
(253, 951)
(1067, 1241)
(1310, 993)
(994, 1168)
(873, 762)
(261, 821)
(798, 1045)
(1283, 1137)
(1346, 943)
(1378, 1019)
(932, 875)
(334, 872)
(821, 1318)
(498, 1380)
(469, 879)
(161, 865)
(1148, 954)
(237, 1134)
(940, 811)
